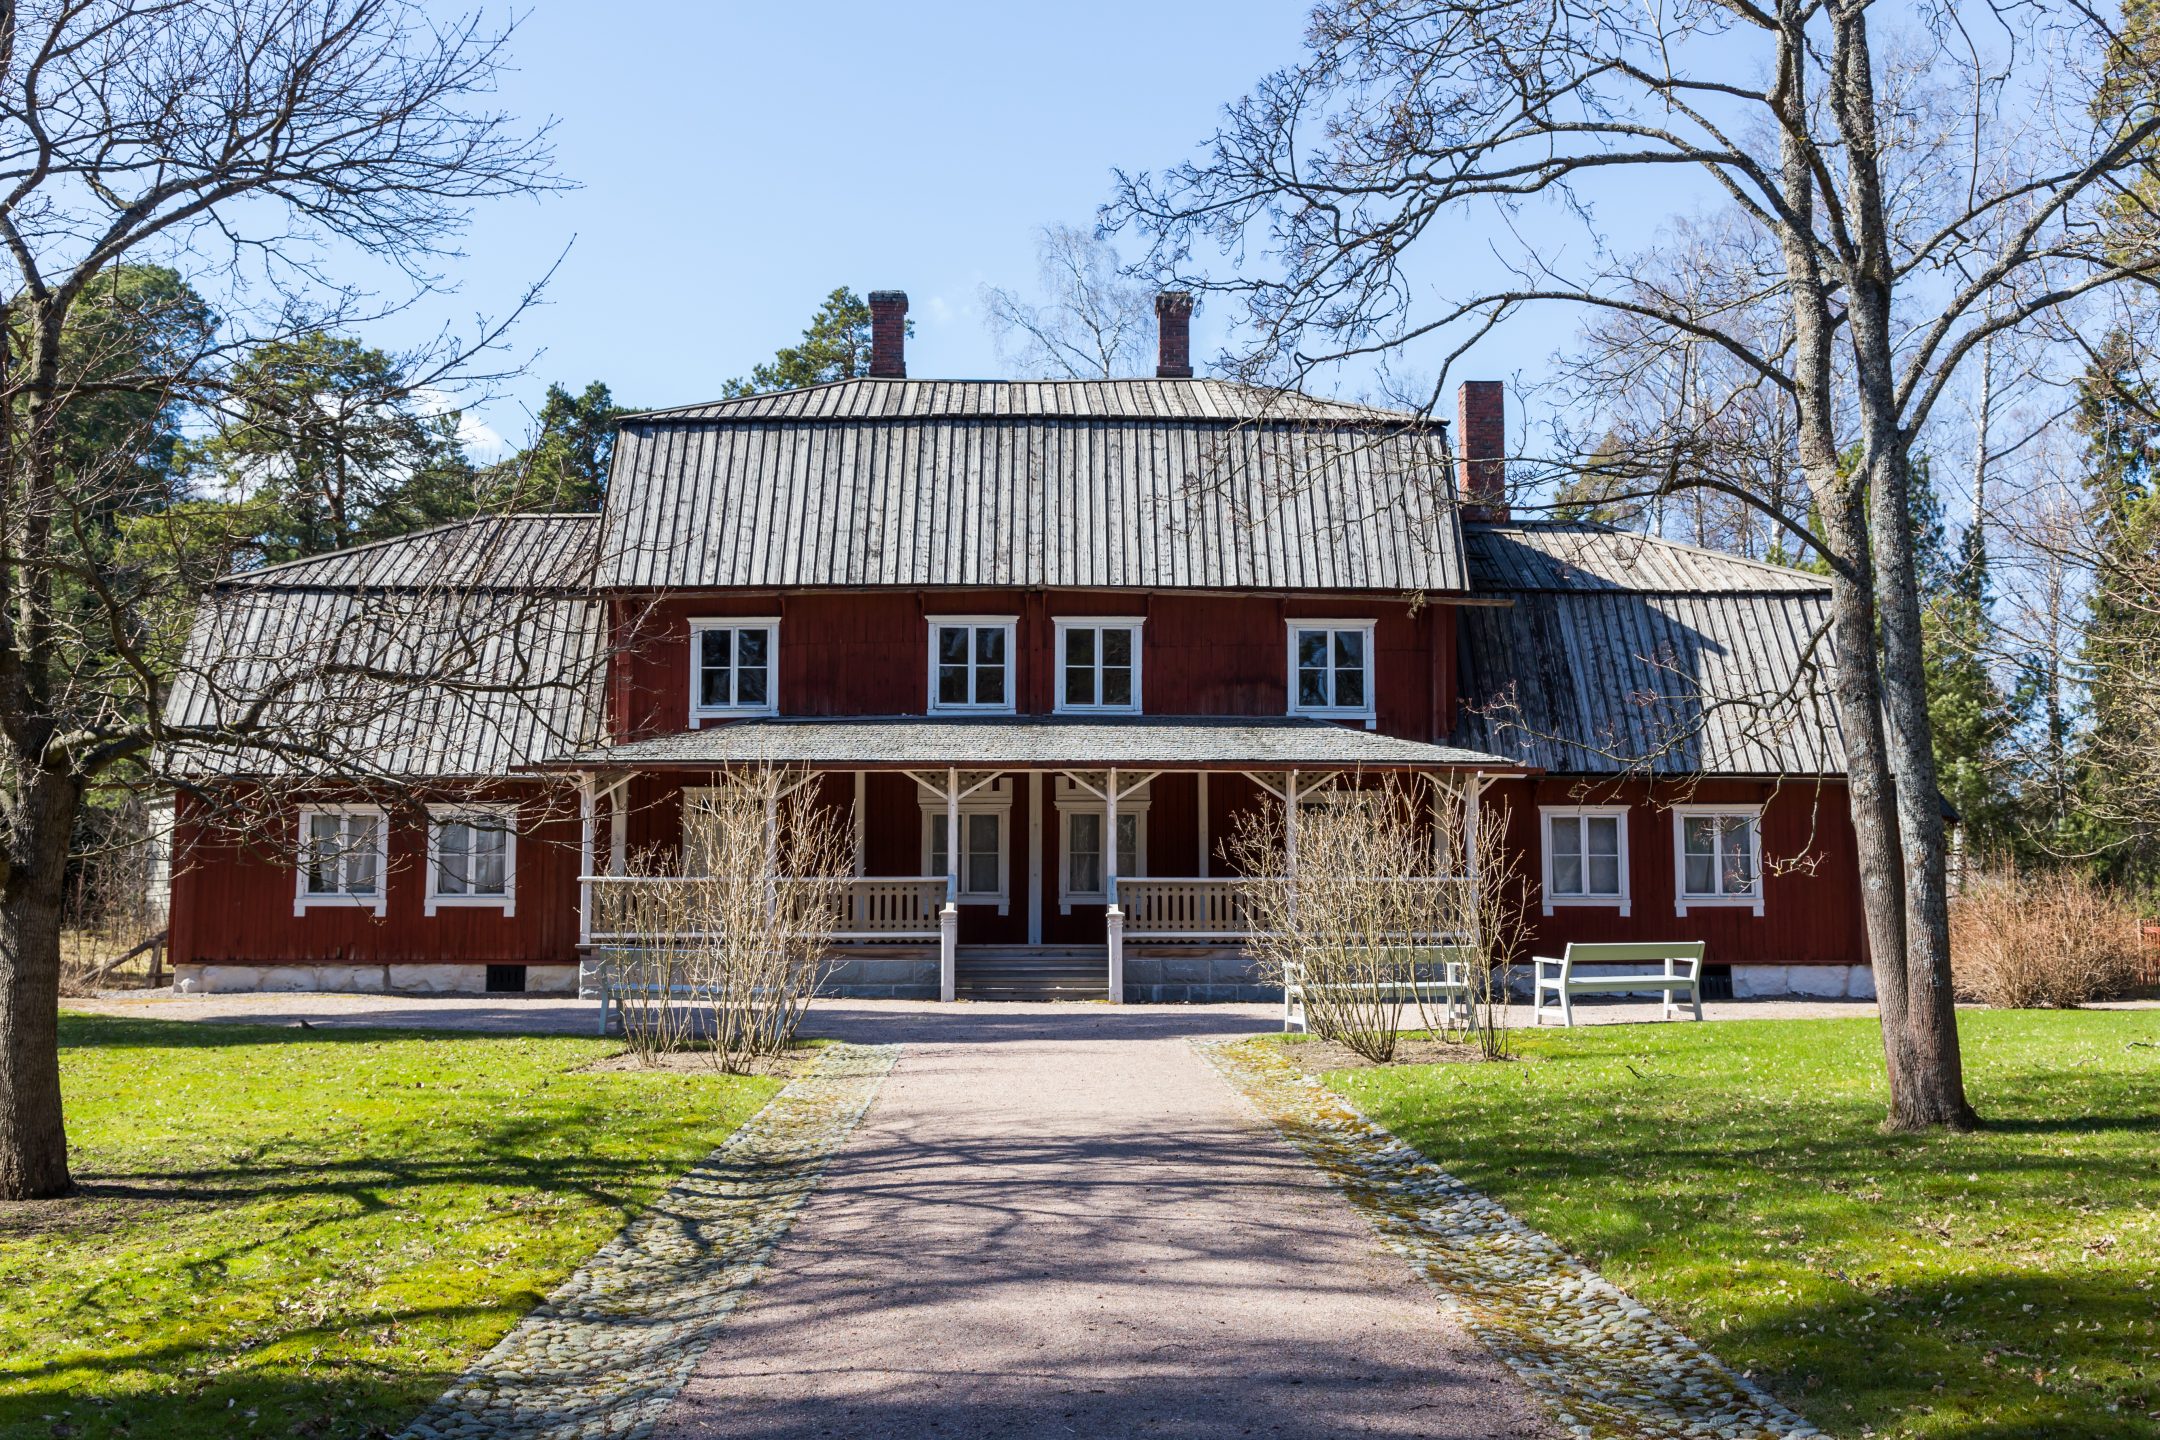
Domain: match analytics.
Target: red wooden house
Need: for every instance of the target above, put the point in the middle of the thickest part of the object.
(1045, 642)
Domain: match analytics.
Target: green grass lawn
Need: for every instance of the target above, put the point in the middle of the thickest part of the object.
(308, 1233)
(1735, 1176)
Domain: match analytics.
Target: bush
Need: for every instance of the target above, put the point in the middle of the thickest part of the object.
(2048, 941)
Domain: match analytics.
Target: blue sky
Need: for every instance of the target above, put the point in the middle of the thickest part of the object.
(737, 161)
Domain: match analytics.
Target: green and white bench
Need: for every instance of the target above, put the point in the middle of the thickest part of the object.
(1679, 972)
(1438, 975)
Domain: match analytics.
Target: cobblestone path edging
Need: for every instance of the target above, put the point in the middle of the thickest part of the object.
(1603, 1362)
(603, 1356)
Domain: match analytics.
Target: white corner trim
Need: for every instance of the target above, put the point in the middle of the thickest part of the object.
(1009, 623)
(1060, 625)
(505, 902)
(1624, 901)
(770, 624)
(1369, 711)
(1682, 900)
(376, 903)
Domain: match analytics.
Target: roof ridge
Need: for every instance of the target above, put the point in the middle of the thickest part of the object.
(697, 409)
(248, 576)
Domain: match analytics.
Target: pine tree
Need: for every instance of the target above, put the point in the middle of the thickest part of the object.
(836, 346)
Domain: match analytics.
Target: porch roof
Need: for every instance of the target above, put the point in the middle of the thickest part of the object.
(1194, 742)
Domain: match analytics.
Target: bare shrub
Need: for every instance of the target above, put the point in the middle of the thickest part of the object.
(722, 945)
(1376, 896)
(2052, 940)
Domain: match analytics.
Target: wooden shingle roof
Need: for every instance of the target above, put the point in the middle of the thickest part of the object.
(1152, 484)
(1620, 652)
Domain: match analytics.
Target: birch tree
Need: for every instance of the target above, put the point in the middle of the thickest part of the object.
(247, 142)
(1892, 186)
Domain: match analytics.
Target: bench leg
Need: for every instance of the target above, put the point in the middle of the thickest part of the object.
(603, 1010)
(1567, 1009)
(1695, 997)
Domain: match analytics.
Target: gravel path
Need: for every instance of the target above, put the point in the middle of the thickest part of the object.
(1604, 1363)
(1063, 1223)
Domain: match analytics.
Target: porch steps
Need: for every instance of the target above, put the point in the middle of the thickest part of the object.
(1031, 973)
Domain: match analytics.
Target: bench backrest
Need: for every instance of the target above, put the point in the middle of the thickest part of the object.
(1425, 958)
(1632, 953)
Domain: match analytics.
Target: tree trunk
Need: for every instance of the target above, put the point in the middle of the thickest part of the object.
(33, 1139)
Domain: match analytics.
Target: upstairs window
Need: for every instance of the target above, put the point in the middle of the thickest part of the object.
(471, 857)
(971, 663)
(1717, 853)
(1098, 666)
(1586, 856)
(733, 662)
(1331, 668)
(343, 857)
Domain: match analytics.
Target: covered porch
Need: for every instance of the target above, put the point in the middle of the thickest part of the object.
(979, 845)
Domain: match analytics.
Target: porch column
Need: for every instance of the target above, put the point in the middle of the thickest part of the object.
(1473, 822)
(619, 827)
(1202, 806)
(1113, 917)
(949, 917)
(858, 820)
(588, 836)
(1035, 858)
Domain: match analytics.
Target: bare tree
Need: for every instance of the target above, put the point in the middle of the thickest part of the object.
(723, 943)
(245, 141)
(1092, 323)
(1887, 208)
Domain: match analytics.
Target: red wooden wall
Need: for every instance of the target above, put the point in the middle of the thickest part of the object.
(1811, 888)
(867, 653)
(232, 897)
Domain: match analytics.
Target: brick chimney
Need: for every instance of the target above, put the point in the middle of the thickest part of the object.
(888, 335)
(1173, 328)
(1481, 449)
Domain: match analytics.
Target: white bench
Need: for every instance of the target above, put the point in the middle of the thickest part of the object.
(617, 982)
(1450, 986)
(1680, 974)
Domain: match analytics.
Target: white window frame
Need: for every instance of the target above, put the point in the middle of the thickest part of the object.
(438, 815)
(1009, 624)
(1369, 711)
(1071, 800)
(1065, 625)
(994, 799)
(770, 624)
(1683, 901)
(304, 900)
(1624, 901)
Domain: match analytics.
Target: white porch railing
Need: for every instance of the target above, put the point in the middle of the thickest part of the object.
(1208, 907)
(872, 907)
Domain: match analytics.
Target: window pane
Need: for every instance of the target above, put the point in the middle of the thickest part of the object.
(1349, 687)
(453, 844)
(952, 685)
(1698, 836)
(491, 854)
(1311, 649)
(1128, 844)
(1567, 876)
(938, 865)
(952, 643)
(1604, 875)
(1739, 856)
(982, 871)
(1701, 875)
(322, 854)
(1602, 835)
(1117, 647)
(750, 647)
(1311, 687)
(1083, 869)
(360, 842)
(1080, 647)
(750, 687)
(990, 645)
(1116, 685)
(1566, 835)
(1349, 649)
(1079, 685)
(990, 684)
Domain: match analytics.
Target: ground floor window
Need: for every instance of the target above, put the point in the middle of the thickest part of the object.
(985, 846)
(1717, 855)
(1080, 840)
(1585, 855)
(343, 857)
(471, 857)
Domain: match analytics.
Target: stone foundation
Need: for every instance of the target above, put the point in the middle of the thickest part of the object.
(1814, 982)
(1195, 975)
(431, 979)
